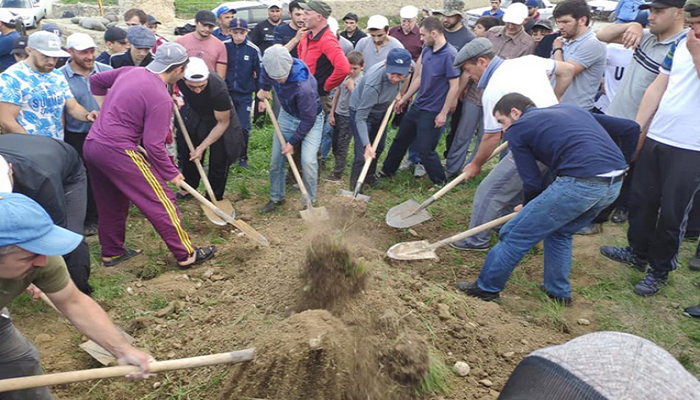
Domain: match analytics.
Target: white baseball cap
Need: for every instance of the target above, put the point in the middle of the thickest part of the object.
(80, 41)
(408, 12)
(196, 70)
(516, 13)
(5, 185)
(377, 22)
(7, 17)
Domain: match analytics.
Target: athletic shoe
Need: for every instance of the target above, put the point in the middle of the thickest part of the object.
(243, 163)
(650, 285)
(693, 311)
(592, 229)
(419, 171)
(271, 206)
(694, 263)
(471, 289)
(624, 255)
(619, 216)
(405, 164)
(465, 246)
(334, 176)
(564, 301)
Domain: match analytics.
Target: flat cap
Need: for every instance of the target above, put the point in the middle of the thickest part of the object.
(475, 48)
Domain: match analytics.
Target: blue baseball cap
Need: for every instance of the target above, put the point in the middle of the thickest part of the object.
(398, 61)
(26, 225)
(238, 23)
(532, 3)
(223, 10)
(53, 28)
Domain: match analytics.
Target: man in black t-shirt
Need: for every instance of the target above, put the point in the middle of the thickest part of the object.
(211, 122)
(263, 35)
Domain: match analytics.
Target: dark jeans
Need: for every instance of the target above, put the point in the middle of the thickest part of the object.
(417, 126)
(76, 140)
(373, 123)
(342, 133)
(242, 104)
(19, 358)
(666, 179)
(218, 159)
(456, 116)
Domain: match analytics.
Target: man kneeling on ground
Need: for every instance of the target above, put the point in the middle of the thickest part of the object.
(588, 168)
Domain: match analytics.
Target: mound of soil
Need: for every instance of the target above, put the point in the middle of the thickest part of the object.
(329, 273)
(308, 356)
(408, 361)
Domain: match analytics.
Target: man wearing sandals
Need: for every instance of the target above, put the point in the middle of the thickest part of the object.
(138, 110)
(30, 250)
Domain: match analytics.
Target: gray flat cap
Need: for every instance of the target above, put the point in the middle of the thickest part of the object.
(475, 48)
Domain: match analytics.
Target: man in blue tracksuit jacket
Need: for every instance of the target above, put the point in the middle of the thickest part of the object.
(300, 120)
(242, 72)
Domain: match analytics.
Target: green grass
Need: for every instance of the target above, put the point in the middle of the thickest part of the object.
(436, 380)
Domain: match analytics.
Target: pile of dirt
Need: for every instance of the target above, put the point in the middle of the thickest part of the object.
(329, 273)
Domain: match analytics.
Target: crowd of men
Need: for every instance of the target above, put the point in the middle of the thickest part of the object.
(85, 136)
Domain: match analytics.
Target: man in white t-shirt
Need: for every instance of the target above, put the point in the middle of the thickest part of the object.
(502, 189)
(667, 172)
(616, 61)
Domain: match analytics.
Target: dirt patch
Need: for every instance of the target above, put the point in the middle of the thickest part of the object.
(330, 274)
(408, 361)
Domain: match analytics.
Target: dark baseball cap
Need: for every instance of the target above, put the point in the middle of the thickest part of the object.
(398, 61)
(663, 4)
(18, 46)
(53, 28)
(238, 23)
(115, 34)
(205, 17)
(692, 8)
(319, 6)
(352, 16)
(151, 20)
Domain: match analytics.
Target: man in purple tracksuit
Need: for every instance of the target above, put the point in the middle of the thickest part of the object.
(137, 109)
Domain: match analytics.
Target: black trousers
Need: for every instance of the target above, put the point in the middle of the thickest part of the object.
(454, 123)
(342, 133)
(665, 181)
(373, 123)
(76, 140)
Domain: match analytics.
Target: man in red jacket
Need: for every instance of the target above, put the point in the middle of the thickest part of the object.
(320, 50)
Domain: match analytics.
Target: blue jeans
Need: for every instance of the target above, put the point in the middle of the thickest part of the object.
(309, 161)
(327, 140)
(566, 206)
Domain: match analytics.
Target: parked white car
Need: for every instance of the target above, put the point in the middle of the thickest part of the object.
(31, 11)
(603, 9)
(473, 15)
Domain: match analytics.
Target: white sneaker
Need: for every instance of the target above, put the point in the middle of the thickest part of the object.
(405, 164)
(419, 171)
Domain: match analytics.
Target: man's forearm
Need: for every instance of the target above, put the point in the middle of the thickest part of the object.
(650, 101)
(613, 32)
(488, 144)
(11, 126)
(451, 97)
(221, 70)
(78, 112)
(215, 134)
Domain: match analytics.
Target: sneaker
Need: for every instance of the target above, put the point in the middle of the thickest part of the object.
(650, 285)
(564, 301)
(694, 263)
(624, 255)
(296, 187)
(243, 163)
(271, 206)
(90, 230)
(693, 311)
(334, 176)
(465, 246)
(471, 289)
(419, 171)
(405, 164)
(182, 196)
(619, 216)
(592, 229)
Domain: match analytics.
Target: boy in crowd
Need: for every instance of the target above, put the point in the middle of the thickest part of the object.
(340, 115)
(152, 24)
(242, 70)
(115, 42)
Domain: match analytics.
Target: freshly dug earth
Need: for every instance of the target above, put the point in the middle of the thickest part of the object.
(329, 273)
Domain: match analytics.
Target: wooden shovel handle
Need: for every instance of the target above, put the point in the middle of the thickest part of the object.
(461, 176)
(233, 357)
(471, 232)
(244, 227)
(377, 140)
(197, 162)
(290, 159)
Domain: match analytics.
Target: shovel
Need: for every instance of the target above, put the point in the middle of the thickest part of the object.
(422, 250)
(27, 382)
(355, 194)
(95, 350)
(243, 226)
(410, 213)
(311, 214)
(223, 205)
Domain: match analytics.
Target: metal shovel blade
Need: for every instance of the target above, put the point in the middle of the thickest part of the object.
(401, 216)
(419, 250)
(223, 205)
(100, 354)
(312, 214)
(359, 196)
